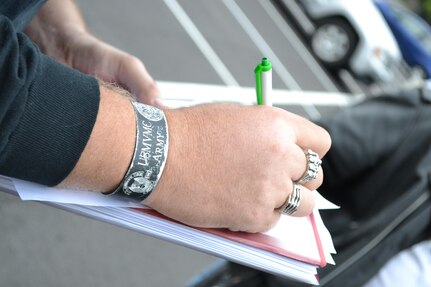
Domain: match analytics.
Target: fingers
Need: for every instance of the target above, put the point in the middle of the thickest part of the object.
(305, 208)
(298, 165)
(308, 136)
(135, 77)
(306, 174)
(298, 197)
(95, 57)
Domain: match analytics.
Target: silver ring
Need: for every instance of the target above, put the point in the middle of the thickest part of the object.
(292, 203)
(313, 164)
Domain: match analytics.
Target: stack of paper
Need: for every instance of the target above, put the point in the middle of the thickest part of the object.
(295, 248)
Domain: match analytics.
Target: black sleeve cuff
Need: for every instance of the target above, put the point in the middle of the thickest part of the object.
(57, 121)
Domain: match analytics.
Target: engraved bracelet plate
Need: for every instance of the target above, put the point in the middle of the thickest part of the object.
(150, 154)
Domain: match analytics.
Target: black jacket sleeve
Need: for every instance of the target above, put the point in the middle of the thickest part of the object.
(47, 111)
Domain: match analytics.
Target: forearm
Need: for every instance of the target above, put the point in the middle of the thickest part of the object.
(55, 25)
(109, 150)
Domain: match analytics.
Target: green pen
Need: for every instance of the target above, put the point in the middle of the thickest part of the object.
(263, 72)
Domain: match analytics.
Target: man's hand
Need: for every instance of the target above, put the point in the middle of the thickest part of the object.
(60, 32)
(233, 166)
(228, 165)
(94, 57)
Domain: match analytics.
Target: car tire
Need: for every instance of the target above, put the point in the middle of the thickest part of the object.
(333, 42)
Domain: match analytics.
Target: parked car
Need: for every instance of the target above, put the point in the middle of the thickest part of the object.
(412, 34)
(354, 35)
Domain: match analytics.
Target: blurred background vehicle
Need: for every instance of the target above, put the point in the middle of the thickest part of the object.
(412, 34)
(353, 35)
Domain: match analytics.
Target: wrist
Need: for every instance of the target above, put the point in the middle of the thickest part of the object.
(176, 175)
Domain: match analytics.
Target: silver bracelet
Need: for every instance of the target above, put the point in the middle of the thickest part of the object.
(149, 157)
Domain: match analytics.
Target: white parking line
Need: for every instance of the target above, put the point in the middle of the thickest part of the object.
(350, 81)
(201, 42)
(186, 94)
(261, 44)
(296, 11)
(265, 49)
(299, 47)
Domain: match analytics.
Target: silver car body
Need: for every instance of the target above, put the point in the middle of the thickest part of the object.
(377, 51)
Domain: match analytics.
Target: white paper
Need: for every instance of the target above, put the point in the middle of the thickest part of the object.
(32, 191)
(323, 203)
(304, 244)
(285, 231)
(199, 240)
(117, 211)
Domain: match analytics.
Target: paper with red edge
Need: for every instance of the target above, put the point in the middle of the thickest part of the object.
(319, 242)
(306, 245)
(302, 238)
(275, 252)
(309, 243)
(293, 237)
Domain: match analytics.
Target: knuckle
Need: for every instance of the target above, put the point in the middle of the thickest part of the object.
(128, 61)
(132, 60)
(274, 117)
(278, 147)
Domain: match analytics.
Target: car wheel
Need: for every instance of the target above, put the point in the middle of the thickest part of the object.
(333, 42)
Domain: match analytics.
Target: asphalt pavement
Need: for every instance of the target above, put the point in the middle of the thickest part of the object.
(184, 41)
